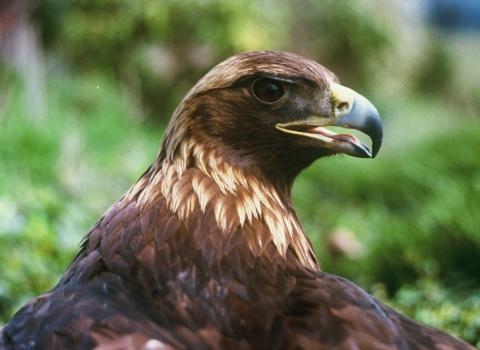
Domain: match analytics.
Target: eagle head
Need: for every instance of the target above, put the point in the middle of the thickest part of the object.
(266, 112)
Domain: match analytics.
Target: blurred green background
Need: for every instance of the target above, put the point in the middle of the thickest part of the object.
(87, 88)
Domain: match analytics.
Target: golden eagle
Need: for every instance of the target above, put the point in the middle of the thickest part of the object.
(205, 251)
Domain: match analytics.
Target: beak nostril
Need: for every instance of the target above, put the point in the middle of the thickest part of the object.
(342, 106)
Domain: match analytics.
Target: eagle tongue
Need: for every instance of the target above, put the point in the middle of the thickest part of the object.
(359, 149)
(341, 137)
(346, 138)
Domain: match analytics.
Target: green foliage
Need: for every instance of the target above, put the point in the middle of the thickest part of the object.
(159, 49)
(435, 75)
(346, 36)
(58, 175)
(454, 309)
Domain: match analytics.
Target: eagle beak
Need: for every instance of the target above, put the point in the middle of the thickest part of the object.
(349, 110)
(354, 111)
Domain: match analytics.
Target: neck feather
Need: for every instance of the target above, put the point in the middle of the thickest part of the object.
(236, 201)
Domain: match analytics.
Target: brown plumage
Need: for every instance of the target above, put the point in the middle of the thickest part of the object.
(205, 251)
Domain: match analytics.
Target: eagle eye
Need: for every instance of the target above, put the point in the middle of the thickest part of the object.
(268, 90)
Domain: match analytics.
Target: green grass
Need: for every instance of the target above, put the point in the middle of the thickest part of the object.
(413, 210)
(59, 174)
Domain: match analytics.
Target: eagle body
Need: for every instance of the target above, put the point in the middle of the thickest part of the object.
(205, 251)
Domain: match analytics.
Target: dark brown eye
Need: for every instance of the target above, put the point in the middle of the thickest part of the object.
(268, 90)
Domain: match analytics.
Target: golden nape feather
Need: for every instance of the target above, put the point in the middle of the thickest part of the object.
(205, 251)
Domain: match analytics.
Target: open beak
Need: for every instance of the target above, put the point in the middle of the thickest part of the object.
(349, 110)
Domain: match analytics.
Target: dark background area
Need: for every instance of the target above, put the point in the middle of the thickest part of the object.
(87, 88)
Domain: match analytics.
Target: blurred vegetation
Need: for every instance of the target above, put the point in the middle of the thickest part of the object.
(58, 175)
(161, 48)
(404, 226)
